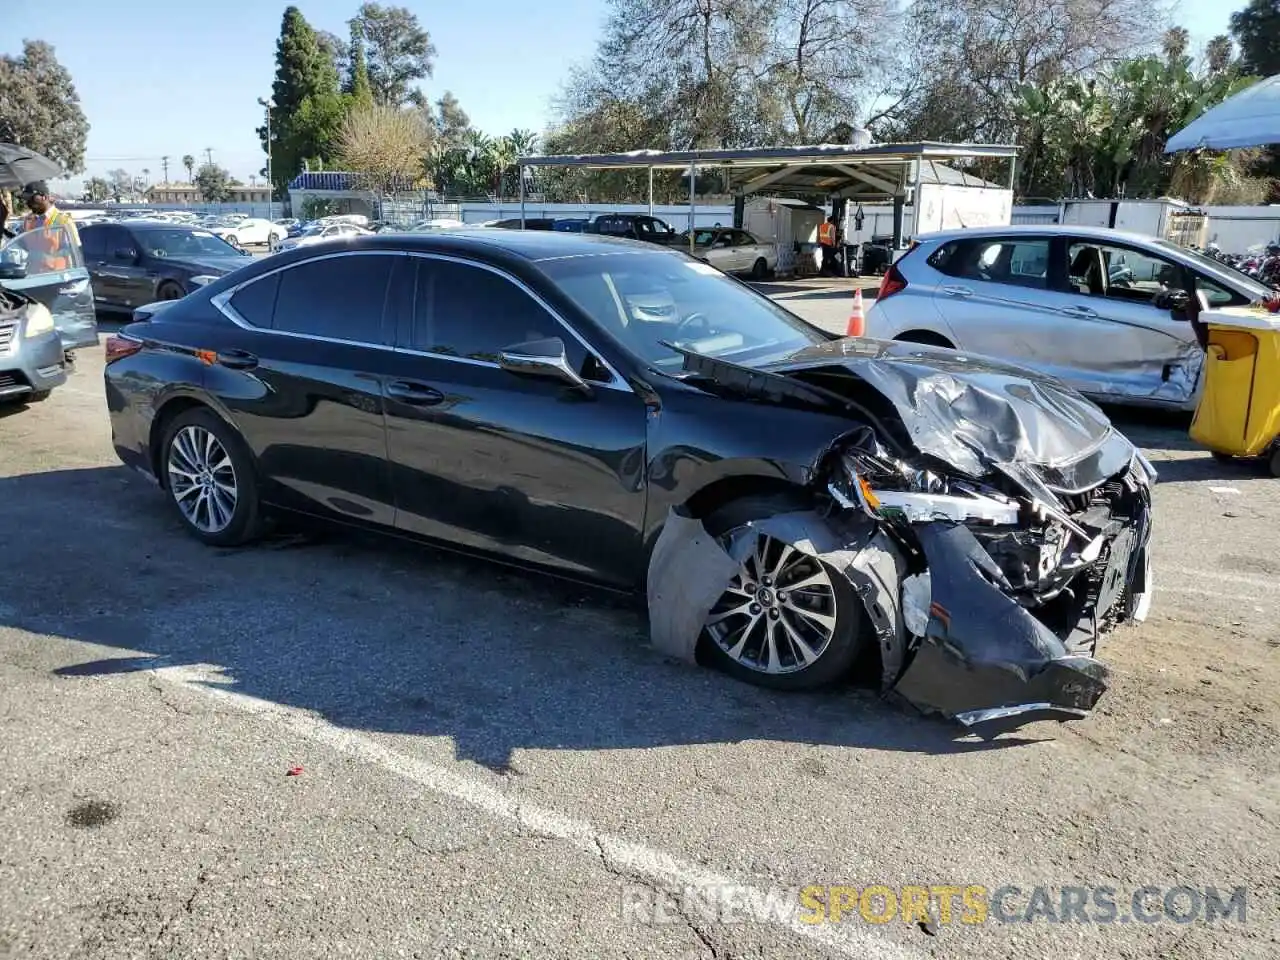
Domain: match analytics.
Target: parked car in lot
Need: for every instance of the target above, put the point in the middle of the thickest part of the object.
(250, 231)
(63, 287)
(633, 226)
(1085, 304)
(137, 261)
(784, 494)
(320, 232)
(31, 356)
(733, 251)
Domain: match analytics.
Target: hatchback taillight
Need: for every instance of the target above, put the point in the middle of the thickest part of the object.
(118, 347)
(893, 282)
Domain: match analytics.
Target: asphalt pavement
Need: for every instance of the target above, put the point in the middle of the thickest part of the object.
(332, 745)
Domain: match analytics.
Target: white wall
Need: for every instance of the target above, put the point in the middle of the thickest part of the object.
(1234, 229)
(677, 215)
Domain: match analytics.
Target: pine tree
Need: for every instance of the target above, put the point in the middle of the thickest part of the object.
(357, 85)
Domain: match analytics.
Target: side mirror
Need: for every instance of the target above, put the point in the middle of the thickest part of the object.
(127, 254)
(543, 358)
(1175, 301)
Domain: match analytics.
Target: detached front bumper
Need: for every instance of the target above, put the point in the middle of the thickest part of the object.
(963, 646)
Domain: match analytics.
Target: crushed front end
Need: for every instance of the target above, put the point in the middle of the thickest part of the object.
(1009, 581)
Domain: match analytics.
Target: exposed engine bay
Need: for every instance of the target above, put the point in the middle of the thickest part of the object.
(994, 527)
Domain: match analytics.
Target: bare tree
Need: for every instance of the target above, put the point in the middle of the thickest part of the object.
(386, 144)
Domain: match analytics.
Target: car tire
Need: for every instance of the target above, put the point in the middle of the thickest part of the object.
(759, 269)
(39, 396)
(170, 291)
(1274, 462)
(235, 242)
(186, 449)
(845, 641)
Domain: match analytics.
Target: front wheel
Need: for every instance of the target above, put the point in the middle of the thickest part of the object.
(759, 269)
(208, 473)
(787, 620)
(169, 291)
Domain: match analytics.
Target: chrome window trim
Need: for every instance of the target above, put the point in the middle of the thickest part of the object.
(222, 303)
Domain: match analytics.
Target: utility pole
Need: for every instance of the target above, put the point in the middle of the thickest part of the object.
(271, 184)
(164, 165)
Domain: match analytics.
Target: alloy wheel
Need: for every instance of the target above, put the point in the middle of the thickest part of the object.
(779, 612)
(202, 479)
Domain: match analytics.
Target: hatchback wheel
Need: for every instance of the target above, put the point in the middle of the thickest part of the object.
(786, 620)
(209, 475)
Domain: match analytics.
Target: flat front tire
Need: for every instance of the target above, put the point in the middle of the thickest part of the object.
(787, 621)
(209, 476)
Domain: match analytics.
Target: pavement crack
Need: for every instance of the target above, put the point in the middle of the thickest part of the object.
(158, 686)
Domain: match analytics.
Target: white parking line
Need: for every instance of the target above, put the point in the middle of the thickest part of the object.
(627, 859)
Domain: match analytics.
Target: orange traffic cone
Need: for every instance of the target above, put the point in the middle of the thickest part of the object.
(858, 317)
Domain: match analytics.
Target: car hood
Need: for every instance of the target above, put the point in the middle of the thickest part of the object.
(973, 412)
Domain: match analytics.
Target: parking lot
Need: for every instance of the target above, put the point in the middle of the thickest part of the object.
(331, 746)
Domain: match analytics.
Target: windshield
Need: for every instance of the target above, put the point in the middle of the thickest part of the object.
(644, 299)
(184, 243)
(1245, 284)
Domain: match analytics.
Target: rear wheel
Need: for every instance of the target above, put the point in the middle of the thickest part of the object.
(208, 473)
(1274, 463)
(787, 620)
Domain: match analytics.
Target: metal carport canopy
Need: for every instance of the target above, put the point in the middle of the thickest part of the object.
(885, 171)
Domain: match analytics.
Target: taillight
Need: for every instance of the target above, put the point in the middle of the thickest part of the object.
(119, 346)
(893, 282)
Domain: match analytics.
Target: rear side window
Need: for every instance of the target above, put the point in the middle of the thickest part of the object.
(93, 240)
(338, 297)
(1017, 262)
(256, 303)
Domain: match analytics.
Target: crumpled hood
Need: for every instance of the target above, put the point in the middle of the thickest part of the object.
(971, 411)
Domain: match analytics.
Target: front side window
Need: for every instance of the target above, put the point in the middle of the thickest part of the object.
(43, 250)
(342, 298)
(1119, 273)
(469, 312)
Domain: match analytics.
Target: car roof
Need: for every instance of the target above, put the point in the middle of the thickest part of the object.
(1039, 229)
(532, 245)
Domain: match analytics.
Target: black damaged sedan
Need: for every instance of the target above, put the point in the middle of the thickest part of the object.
(623, 414)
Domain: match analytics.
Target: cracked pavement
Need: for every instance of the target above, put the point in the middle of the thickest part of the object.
(492, 761)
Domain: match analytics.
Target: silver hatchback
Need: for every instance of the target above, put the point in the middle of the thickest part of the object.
(1079, 303)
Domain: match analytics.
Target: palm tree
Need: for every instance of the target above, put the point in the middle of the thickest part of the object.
(189, 162)
(146, 177)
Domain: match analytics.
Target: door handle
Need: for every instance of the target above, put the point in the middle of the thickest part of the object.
(957, 291)
(237, 359)
(1080, 311)
(418, 394)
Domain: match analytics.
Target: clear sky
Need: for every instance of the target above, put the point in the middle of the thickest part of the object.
(160, 77)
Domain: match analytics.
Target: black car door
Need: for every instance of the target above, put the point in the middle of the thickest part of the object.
(523, 465)
(300, 372)
(119, 278)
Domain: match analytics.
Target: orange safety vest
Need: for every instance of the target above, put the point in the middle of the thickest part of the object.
(827, 234)
(57, 233)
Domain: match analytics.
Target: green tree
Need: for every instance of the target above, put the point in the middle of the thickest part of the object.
(97, 190)
(399, 51)
(39, 106)
(452, 122)
(357, 85)
(1256, 29)
(213, 182)
(189, 162)
(308, 106)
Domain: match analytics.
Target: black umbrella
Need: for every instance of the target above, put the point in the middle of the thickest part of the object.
(20, 166)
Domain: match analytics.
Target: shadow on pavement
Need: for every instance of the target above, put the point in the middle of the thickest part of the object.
(384, 636)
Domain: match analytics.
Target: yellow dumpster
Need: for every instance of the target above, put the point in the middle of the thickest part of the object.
(1239, 410)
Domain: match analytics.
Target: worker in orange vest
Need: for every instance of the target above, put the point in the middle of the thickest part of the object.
(827, 241)
(58, 245)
